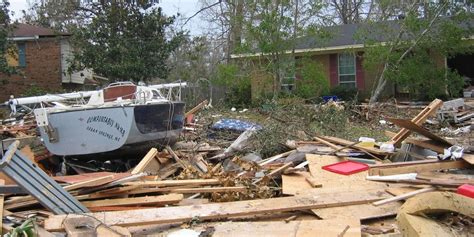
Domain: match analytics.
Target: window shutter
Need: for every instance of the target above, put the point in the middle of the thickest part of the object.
(360, 77)
(333, 71)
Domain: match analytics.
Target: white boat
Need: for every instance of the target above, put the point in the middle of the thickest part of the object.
(108, 119)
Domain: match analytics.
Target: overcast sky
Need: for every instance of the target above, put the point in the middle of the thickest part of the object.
(185, 7)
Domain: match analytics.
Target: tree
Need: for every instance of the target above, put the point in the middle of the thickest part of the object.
(409, 44)
(125, 41)
(4, 31)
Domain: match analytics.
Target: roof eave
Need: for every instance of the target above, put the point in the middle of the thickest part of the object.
(302, 51)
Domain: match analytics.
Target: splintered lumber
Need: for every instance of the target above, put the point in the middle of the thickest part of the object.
(418, 120)
(423, 143)
(175, 157)
(90, 183)
(344, 142)
(409, 125)
(148, 163)
(156, 200)
(303, 228)
(403, 196)
(276, 157)
(196, 108)
(421, 167)
(169, 215)
(167, 183)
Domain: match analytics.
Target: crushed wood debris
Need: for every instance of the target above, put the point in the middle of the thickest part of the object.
(296, 171)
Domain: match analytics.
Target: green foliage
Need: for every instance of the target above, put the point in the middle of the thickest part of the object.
(237, 84)
(313, 82)
(125, 42)
(344, 93)
(35, 91)
(423, 79)
(5, 28)
(26, 229)
(412, 46)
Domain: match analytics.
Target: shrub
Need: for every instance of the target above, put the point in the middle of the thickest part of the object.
(313, 83)
(344, 93)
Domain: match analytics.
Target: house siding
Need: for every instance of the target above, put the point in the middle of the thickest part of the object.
(43, 69)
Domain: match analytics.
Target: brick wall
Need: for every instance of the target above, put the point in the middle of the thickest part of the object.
(43, 70)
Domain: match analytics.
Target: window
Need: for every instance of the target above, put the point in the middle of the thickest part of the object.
(347, 70)
(287, 84)
(21, 54)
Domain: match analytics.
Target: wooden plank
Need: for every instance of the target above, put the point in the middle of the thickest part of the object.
(401, 190)
(329, 144)
(210, 190)
(440, 165)
(304, 228)
(90, 183)
(418, 120)
(196, 108)
(157, 200)
(168, 215)
(166, 183)
(148, 164)
(469, 158)
(409, 125)
(2, 182)
(343, 142)
(360, 211)
(423, 143)
(403, 196)
(72, 179)
(176, 158)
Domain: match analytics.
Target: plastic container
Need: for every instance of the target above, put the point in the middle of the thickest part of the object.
(466, 190)
(346, 167)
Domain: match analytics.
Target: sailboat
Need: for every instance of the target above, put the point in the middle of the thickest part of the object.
(105, 120)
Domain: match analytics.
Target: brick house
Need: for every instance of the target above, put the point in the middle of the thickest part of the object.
(41, 57)
(341, 57)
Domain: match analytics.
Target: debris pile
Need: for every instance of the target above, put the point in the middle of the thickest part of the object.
(219, 181)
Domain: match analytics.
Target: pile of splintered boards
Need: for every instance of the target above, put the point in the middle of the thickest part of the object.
(317, 188)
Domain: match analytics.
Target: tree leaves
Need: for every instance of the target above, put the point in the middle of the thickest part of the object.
(125, 42)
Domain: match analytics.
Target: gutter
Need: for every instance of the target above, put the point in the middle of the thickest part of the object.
(24, 38)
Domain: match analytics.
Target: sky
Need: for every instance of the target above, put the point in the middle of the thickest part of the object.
(186, 8)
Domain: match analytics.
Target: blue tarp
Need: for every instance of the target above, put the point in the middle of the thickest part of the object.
(234, 125)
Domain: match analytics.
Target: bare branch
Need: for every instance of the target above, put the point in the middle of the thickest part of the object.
(202, 9)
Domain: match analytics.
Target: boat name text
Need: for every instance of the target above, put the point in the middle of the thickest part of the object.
(107, 121)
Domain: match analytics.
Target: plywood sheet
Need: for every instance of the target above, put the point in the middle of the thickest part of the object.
(295, 183)
(307, 228)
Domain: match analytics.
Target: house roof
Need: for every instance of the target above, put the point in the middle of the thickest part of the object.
(348, 36)
(343, 35)
(26, 30)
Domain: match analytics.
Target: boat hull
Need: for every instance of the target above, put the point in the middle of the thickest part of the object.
(98, 130)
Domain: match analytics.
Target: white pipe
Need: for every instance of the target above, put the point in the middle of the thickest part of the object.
(50, 98)
(169, 85)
